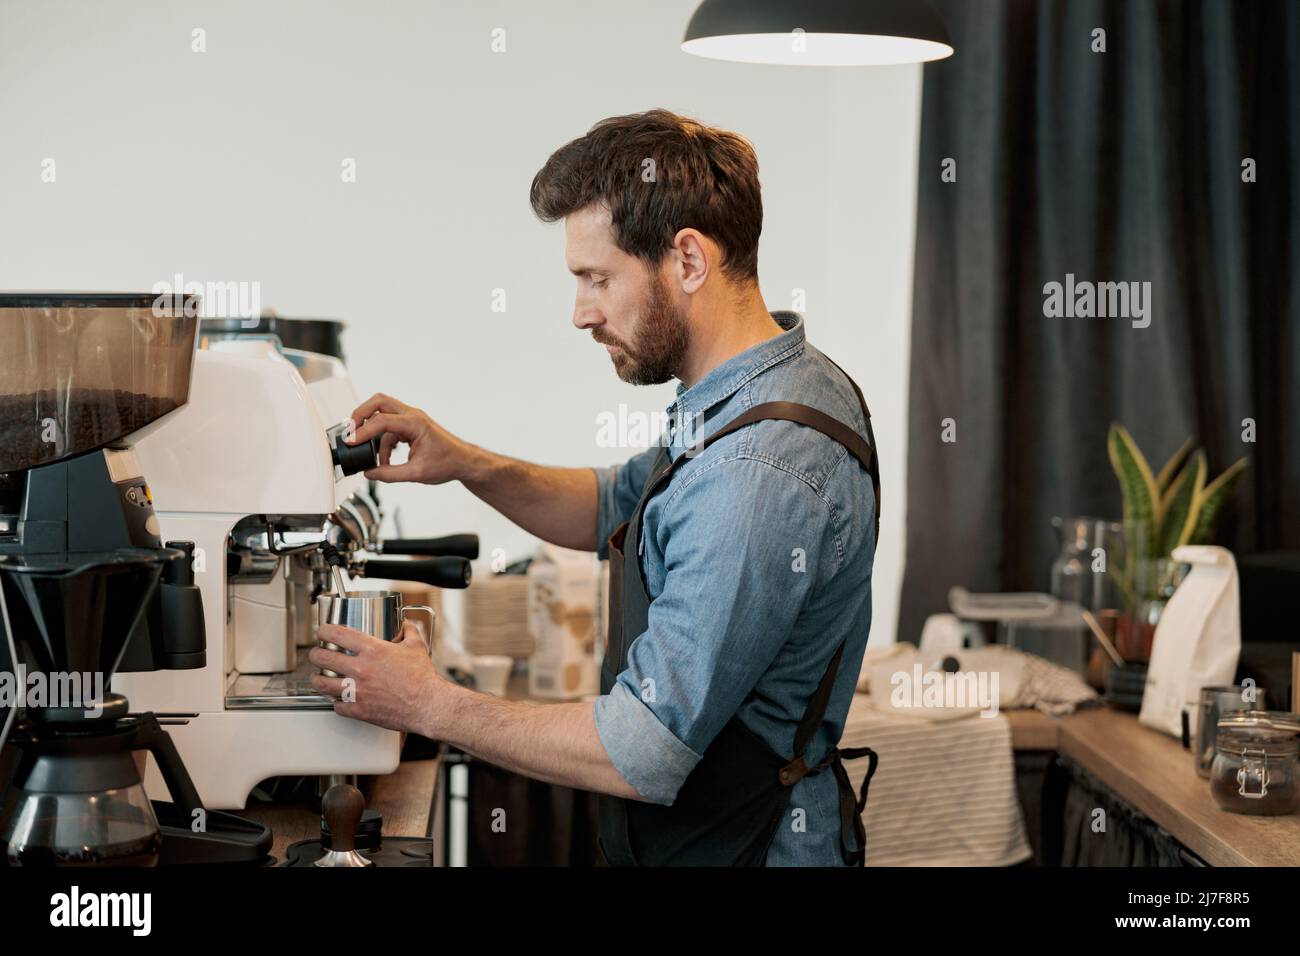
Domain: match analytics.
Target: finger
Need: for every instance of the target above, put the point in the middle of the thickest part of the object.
(346, 708)
(386, 446)
(333, 686)
(379, 402)
(411, 637)
(392, 473)
(332, 661)
(405, 427)
(346, 637)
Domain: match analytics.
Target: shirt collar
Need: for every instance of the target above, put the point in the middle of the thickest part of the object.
(725, 380)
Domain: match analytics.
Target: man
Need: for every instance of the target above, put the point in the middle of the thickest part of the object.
(740, 586)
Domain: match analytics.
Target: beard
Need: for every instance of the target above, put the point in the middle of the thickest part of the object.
(659, 340)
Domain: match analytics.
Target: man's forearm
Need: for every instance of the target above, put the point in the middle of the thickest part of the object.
(559, 505)
(557, 743)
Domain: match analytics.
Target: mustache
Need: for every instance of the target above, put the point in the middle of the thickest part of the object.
(604, 338)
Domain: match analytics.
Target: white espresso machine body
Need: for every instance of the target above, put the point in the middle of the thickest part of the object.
(251, 442)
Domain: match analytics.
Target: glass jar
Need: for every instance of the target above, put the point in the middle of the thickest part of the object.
(1215, 703)
(1257, 767)
(1079, 571)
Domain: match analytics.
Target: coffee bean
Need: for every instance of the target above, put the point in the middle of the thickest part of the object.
(37, 428)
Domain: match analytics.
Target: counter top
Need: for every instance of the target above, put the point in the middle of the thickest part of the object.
(404, 797)
(1156, 775)
(1146, 768)
(1032, 730)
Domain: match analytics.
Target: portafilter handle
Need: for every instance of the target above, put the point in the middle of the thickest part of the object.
(438, 572)
(448, 546)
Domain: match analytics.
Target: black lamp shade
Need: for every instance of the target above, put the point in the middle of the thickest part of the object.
(818, 32)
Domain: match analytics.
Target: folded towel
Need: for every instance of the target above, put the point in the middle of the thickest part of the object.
(944, 793)
(1025, 680)
(1048, 687)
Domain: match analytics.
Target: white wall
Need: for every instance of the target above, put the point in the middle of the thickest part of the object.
(225, 165)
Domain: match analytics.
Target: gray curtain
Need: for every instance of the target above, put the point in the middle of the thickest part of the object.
(1071, 837)
(1123, 165)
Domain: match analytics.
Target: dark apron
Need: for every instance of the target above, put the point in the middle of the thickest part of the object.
(728, 810)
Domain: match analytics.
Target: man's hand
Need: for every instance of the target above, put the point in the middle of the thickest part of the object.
(559, 505)
(435, 456)
(395, 685)
(391, 684)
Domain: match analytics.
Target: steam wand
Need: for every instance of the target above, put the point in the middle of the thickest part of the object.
(335, 561)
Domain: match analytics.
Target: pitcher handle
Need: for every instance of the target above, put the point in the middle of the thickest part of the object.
(433, 620)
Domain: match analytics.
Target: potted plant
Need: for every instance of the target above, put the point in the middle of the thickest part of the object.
(1162, 511)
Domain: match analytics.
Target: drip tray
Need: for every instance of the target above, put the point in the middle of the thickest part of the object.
(291, 690)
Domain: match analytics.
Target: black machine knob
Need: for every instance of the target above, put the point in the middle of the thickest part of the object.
(355, 458)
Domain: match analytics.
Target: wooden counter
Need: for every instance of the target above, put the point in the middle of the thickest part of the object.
(1156, 775)
(1148, 769)
(1032, 730)
(405, 798)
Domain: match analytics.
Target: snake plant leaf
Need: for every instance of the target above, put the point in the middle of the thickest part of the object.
(1213, 497)
(1137, 485)
(1181, 505)
(1173, 466)
(1122, 576)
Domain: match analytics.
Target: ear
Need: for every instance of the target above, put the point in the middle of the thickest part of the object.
(692, 261)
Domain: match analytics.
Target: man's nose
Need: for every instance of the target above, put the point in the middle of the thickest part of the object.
(585, 317)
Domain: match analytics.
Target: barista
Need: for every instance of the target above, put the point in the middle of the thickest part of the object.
(740, 566)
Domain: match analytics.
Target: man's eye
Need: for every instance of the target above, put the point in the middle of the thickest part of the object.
(598, 283)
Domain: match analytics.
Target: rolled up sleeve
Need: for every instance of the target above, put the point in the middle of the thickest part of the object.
(642, 749)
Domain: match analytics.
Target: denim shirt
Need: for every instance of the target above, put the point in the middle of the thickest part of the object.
(757, 561)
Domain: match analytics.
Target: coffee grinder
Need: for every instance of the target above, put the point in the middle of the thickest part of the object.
(87, 585)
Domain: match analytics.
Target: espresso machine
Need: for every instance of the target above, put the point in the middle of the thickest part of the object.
(255, 471)
(86, 583)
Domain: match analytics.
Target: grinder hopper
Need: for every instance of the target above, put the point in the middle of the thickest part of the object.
(79, 371)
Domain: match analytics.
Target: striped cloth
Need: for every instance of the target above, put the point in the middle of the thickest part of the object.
(944, 793)
(1045, 686)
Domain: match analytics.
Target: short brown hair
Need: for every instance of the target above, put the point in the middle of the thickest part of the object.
(703, 178)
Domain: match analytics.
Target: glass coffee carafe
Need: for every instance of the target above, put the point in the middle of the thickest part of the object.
(76, 797)
(108, 827)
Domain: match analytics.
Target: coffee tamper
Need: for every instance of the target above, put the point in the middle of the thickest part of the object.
(342, 807)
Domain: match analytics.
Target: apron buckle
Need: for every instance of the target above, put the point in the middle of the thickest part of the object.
(793, 772)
